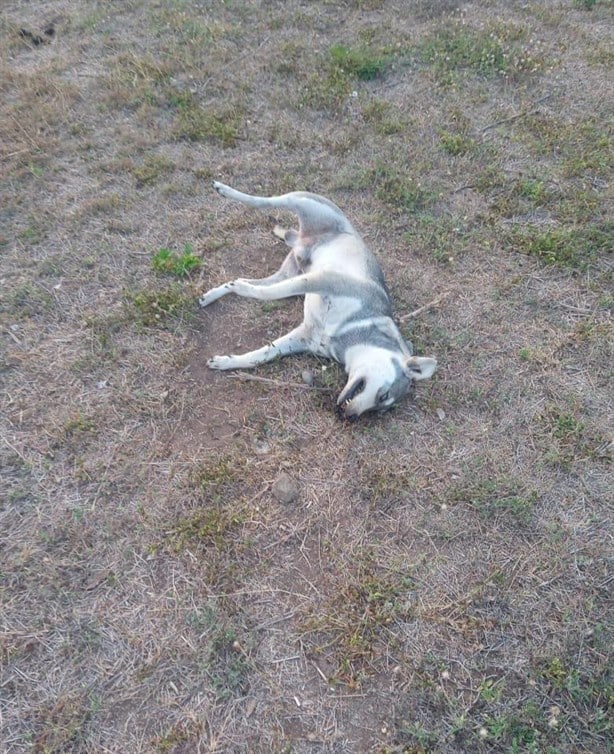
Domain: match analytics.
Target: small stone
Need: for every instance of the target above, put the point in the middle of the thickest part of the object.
(441, 414)
(307, 376)
(285, 489)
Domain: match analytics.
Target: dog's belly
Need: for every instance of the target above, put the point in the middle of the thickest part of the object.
(323, 315)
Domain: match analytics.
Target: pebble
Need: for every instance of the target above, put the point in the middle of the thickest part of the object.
(285, 488)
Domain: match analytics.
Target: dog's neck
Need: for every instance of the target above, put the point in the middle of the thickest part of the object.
(363, 339)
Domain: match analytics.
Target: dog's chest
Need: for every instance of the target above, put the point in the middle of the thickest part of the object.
(324, 315)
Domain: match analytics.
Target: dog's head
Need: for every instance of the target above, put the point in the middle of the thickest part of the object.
(378, 382)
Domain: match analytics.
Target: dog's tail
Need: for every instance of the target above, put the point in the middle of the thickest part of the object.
(316, 214)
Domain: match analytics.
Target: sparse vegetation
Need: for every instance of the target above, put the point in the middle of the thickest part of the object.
(498, 49)
(396, 187)
(153, 306)
(574, 248)
(198, 123)
(441, 582)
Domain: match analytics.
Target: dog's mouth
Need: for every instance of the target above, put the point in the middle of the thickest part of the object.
(345, 400)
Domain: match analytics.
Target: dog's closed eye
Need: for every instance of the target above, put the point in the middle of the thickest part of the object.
(384, 397)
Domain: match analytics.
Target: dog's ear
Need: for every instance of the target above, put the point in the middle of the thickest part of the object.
(420, 367)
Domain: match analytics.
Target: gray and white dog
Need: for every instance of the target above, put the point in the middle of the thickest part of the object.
(347, 313)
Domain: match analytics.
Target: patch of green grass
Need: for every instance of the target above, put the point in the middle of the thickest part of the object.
(360, 62)
(326, 90)
(533, 189)
(567, 438)
(439, 237)
(338, 73)
(384, 117)
(502, 497)
(213, 476)
(178, 264)
(456, 143)
(229, 663)
(204, 527)
(395, 187)
(32, 235)
(197, 123)
(584, 691)
(78, 424)
(151, 169)
(572, 248)
(155, 306)
(27, 300)
(579, 146)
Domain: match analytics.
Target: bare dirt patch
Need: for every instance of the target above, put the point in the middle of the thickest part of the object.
(442, 581)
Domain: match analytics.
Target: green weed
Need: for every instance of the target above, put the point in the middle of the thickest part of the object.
(204, 527)
(180, 265)
(78, 424)
(358, 62)
(456, 143)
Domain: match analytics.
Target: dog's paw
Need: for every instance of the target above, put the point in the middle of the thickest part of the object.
(210, 296)
(221, 188)
(221, 362)
(205, 300)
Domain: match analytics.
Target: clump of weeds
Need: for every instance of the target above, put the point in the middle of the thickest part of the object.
(179, 264)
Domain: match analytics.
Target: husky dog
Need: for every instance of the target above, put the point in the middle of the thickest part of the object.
(347, 313)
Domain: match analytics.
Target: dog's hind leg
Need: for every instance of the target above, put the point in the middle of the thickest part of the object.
(316, 214)
(296, 341)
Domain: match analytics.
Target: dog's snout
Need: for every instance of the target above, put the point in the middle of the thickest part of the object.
(345, 415)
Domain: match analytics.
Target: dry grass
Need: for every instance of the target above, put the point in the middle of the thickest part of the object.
(441, 584)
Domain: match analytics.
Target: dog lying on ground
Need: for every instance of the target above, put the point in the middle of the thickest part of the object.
(347, 313)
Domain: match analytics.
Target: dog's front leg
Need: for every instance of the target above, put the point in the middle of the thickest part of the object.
(210, 296)
(242, 287)
(295, 341)
(288, 269)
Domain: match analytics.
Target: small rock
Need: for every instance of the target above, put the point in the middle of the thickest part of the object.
(307, 376)
(285, 489)
(441, 414)
(262, 448)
